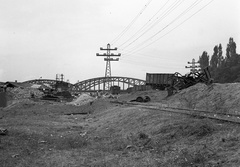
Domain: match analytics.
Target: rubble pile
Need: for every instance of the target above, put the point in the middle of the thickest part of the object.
(24, 93)
(82, 100)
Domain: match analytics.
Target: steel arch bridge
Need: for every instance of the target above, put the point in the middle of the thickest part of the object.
(94, 84)
(97, 84)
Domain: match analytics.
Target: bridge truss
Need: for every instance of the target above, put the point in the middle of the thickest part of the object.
(94, 84)
(97, 84)
(50, 82)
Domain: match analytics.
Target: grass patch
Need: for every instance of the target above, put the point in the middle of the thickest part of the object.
(187, 127)
(69, 142)
(23, 148)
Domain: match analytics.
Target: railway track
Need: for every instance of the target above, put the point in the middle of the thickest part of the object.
(233, 118)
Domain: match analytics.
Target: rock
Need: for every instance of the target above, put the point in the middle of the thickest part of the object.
(3, 131)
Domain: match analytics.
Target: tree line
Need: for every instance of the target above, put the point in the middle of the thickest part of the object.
(223, 69)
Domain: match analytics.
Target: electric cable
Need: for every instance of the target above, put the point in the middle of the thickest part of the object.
(131, 23)
(179, 16)
(174, 27)
(172, 66)
(172, 8)
(145, 24)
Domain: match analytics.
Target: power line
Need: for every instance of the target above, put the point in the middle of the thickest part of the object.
(168, 26)
(167, 12)
(151, 64)
(126, 56)
(175, 26)
(145, 24)
(131, 23)
(179, 16)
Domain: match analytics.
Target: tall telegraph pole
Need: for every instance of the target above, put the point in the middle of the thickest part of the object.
(194, 66)
(107, 83)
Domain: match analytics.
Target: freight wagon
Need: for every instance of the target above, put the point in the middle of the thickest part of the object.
(139, 88)
(159, 80)
(115, 90)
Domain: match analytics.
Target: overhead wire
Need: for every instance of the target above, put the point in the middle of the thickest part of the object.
(143, 55)
(131, 23)
(128, 59)
(135, 49)
(173, 28)
(145, 64)
(179, 16)
(167, 26)
(172, 65)
(145, 24)
(167, 12)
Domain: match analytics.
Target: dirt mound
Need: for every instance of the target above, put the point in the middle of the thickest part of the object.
(82, 100)
(215, 97)
(186, 128)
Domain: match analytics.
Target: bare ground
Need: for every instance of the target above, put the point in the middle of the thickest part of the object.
(108, 134)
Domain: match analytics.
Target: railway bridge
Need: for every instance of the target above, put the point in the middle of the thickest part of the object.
(95, 84)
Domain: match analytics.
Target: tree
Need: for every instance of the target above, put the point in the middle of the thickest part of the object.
(214, 62)
(220, 56)
(232, 47)
(223, 69)
(232, 58)
(214, 59)
(204, 60)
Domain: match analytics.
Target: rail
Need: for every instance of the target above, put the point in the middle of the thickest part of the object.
(226, 117)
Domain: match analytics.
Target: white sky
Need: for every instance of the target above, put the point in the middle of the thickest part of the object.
(42, 38)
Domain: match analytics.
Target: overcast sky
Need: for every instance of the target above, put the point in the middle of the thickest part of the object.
(42, 38)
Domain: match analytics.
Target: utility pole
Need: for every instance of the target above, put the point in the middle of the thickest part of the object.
(59, 77)
(194, 67)
(107, 82)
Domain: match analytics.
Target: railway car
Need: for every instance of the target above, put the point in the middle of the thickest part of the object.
(158, 80)
(115, 90)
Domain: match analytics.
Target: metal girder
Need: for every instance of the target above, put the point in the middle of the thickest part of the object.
(87, 85)
(43, 81)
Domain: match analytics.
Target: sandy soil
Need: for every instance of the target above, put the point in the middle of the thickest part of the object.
(43, 133)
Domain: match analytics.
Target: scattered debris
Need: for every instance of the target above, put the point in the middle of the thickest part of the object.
(3, 131)
(130, 146)
(179, 82)
(118, 102)
(141, 99)
(83, 134)
(15, 155)
(79, 113)
(24, 93)
(42, 141)
(51, 97)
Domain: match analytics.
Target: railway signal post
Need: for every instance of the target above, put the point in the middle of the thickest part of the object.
(107, 83)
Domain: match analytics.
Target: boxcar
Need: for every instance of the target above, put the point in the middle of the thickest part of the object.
(158, 80)
(115, 90)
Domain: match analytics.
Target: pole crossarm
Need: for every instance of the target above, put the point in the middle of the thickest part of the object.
(107, 82)
(194, 66)
(108, 48)
(104, 54)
